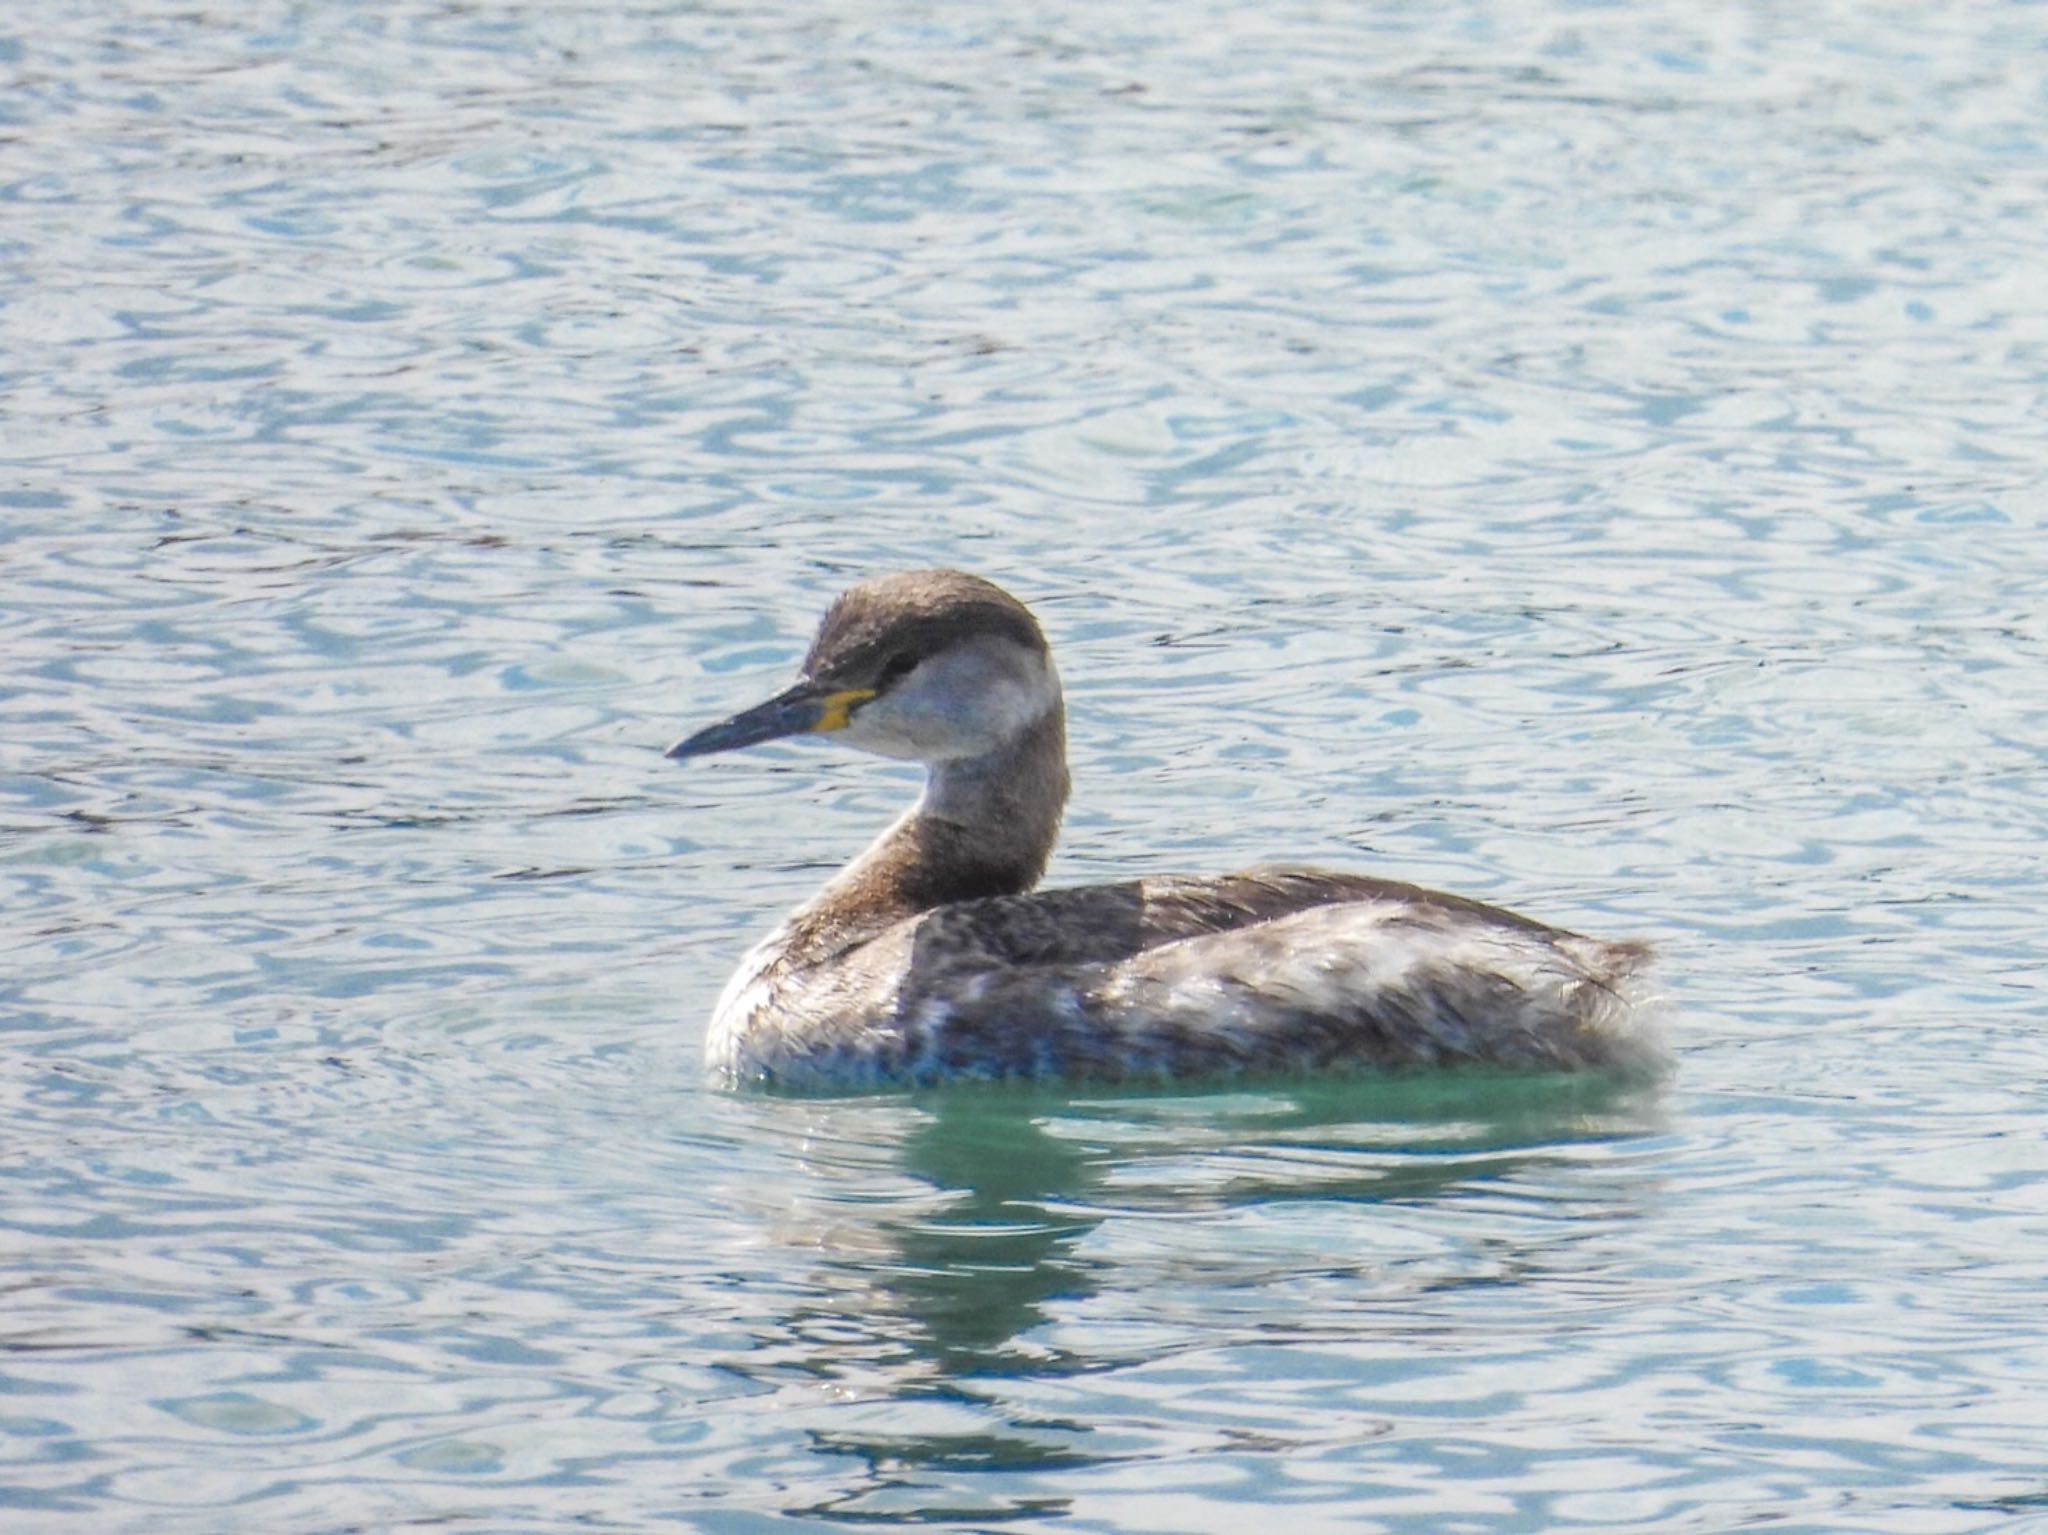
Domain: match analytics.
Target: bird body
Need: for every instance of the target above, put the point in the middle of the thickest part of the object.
(931, 958)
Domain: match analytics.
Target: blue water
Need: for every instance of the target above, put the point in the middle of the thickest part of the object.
(1585, 456)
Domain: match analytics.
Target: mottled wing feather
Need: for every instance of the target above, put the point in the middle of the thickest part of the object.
(1107, 923)
(1269, 970)
(1274, 969)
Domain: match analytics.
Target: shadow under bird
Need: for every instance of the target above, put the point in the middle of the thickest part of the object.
(931, 958)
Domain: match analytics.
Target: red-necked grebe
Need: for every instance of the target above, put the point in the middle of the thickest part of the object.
(930, 957)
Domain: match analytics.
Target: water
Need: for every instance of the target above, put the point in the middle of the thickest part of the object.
(1586, 457)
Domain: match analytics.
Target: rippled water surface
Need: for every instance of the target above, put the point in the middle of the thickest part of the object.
(1585, 456)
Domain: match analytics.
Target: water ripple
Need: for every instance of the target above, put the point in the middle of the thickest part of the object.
(1590, 462)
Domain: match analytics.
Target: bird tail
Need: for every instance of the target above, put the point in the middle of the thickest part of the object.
(1618, 1017)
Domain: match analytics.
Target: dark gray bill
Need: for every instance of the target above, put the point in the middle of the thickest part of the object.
(796, 711)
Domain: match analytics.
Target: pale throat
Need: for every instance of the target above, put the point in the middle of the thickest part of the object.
(984, 825)
(1018, 786)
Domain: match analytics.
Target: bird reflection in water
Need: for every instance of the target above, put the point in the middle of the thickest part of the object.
(961, 1251)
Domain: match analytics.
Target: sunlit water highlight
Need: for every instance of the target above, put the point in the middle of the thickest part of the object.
(1585, 457)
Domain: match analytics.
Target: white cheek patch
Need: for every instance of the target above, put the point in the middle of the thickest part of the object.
(962, 704)
(879, 729)
(1017, 702)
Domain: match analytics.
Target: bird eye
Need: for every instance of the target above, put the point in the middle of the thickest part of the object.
(896, 668)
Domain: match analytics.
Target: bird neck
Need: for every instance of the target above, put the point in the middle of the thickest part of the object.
(984, 826)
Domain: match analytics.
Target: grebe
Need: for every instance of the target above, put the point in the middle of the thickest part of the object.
(930, 958)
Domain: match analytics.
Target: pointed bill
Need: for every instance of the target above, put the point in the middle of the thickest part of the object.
(805, 709)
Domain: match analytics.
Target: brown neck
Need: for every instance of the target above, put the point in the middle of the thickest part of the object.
(985, 826)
